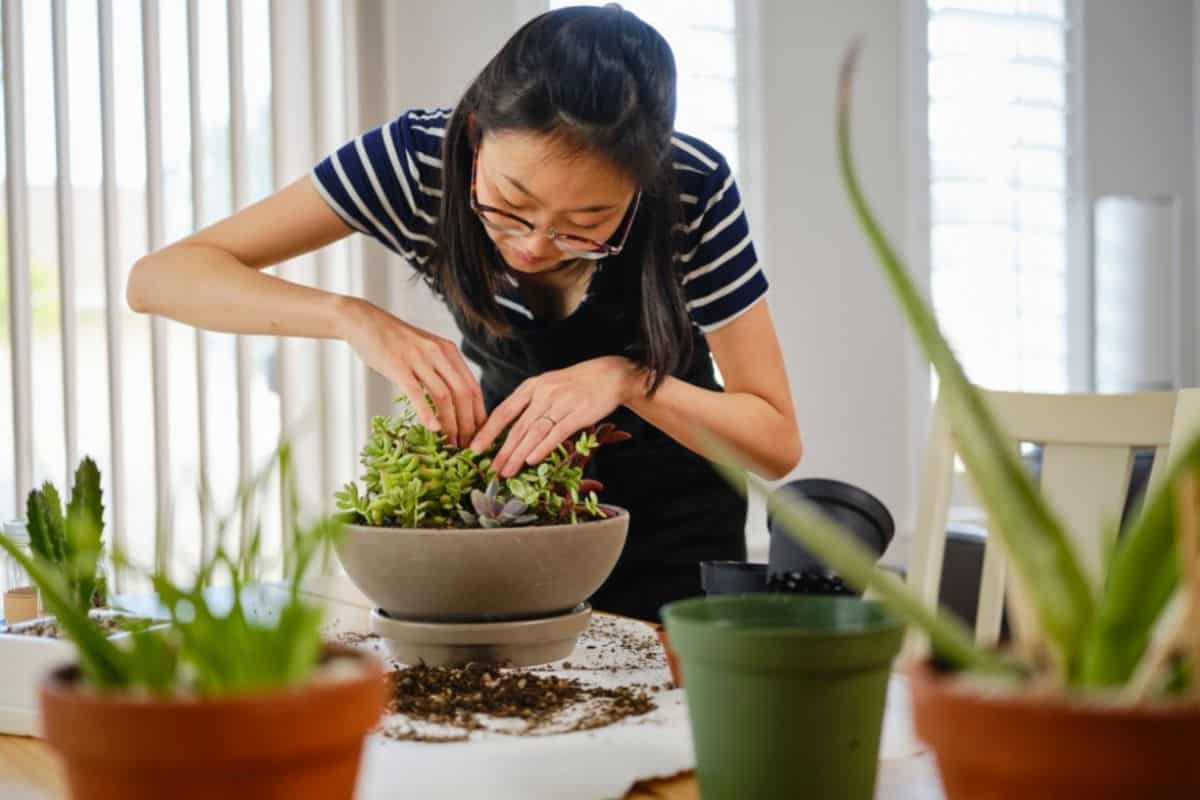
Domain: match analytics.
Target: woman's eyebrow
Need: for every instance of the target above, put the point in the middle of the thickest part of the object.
(586, 210)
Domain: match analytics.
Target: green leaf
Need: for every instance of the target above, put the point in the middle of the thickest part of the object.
(104, 665)
(299, 642)
(84, 533)
(37, 521)
(1039, 548)
(156, 661)
(87, 501)
(56, 526)
(1143, 575)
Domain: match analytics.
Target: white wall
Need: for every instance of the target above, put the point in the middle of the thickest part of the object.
(845, 342)
(1139, 131)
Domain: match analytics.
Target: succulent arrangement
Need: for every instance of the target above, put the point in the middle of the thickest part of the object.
(414, 478)
(1136, 635)
(70, 541)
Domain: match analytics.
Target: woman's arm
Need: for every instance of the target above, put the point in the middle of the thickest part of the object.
(213, 279)
(754, 413)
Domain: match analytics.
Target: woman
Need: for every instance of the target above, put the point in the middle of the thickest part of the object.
(592, 257)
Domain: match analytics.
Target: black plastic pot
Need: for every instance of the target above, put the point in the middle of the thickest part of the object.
(733, 577)
(853, 508)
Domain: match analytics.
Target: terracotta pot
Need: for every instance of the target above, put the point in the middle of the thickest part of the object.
(296, 744)
(482, 575)
(672, 663)
(991, 746)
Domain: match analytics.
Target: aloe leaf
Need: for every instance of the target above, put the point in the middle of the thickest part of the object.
(1143, 575)
(1038, 545)
(841, 550)
(156, 661)
(105, 666)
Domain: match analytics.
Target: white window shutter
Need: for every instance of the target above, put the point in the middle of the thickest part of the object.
(999, 116)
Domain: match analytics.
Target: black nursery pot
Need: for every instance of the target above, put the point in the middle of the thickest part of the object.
(853, 508)
(733, 577)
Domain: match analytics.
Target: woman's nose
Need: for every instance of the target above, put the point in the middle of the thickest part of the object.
(538, 246)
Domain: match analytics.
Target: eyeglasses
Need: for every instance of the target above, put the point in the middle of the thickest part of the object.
(508, 224)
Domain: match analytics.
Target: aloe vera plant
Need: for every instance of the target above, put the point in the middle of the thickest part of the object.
(1097, 638)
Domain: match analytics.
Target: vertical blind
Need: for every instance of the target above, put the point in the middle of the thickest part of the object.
(128, 124)
(999, 116)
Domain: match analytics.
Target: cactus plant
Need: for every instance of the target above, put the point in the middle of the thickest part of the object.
(72, 542)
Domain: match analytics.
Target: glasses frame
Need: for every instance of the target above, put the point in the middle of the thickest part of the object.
(527, 228)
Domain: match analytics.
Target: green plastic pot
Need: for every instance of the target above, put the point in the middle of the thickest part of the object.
(785, 692)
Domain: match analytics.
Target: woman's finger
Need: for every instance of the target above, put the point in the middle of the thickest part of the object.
(506, 462)
(500, 418)
(534, 433)
(562, 430)
(443, 398)
(410, 387)
(460, 399)
(472, 390)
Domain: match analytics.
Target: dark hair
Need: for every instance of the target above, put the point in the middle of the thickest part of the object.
(600, 80)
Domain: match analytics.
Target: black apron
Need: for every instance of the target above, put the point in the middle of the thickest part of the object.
(681, 511)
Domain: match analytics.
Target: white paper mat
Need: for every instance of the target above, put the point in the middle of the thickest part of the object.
(586, 765)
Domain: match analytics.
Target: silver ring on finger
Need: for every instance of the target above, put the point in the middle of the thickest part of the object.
(551, 419)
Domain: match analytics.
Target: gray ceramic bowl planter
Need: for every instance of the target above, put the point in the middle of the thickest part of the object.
(501, 594)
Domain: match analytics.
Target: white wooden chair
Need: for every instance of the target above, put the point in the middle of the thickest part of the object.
(1088, 444)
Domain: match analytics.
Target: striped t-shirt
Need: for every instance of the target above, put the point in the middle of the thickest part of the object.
(387, 184)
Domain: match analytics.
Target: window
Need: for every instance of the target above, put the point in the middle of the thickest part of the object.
(1000, 235)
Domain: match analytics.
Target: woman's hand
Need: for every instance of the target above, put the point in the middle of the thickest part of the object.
(554, 405)
(419, 363)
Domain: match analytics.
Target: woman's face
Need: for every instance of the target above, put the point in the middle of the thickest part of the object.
(536, 178)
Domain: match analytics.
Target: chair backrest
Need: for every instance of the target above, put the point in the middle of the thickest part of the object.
(1088, 443)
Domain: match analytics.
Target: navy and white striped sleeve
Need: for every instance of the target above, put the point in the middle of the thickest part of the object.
(387, 182)
(719, 268)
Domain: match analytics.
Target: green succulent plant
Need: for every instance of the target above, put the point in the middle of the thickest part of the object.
(414, 478)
